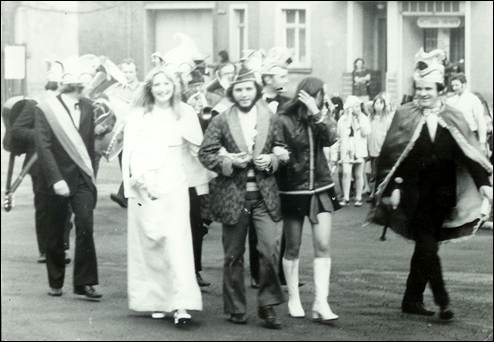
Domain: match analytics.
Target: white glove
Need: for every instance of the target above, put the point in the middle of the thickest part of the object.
(61, 188)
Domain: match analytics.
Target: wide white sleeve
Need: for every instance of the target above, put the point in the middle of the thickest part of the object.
(190, 126)
(478, 113)
(364, 125)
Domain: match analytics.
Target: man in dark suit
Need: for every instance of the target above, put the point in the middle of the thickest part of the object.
(432, 180)
(238, 146)
(23, 132)
(65, 147)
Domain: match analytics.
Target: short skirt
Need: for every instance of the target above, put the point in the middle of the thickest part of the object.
(309, 204)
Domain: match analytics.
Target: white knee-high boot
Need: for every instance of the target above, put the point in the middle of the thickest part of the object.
(321, 310)
(290, 267)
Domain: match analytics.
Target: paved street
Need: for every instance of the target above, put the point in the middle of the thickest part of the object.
(366, 288)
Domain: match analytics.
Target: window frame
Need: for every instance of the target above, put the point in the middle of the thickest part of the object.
(234, 44)
(282, 26)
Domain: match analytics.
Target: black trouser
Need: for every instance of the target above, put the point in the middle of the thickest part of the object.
(425, 266)
(254, 257)
(197, 227)
(234, 236)
(85, 264)
(253, 254)
(121, 188)
(41, 218)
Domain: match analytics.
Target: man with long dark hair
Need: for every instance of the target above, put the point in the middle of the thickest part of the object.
(238, 146)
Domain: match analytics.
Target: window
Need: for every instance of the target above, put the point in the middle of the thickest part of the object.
(431, 7)
(295, 34)
(457, 44)
(238, 31)
(430, 39)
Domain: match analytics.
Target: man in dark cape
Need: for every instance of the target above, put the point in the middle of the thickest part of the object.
(431, 181)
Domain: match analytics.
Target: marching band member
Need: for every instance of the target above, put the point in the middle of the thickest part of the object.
(23, 131)
(125, 92)
(65, 145)
(198, 195)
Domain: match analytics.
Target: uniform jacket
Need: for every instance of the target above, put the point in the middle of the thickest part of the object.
(54, 161)
(23, 132)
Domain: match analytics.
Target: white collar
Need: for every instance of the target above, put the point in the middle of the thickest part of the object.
(69, 101)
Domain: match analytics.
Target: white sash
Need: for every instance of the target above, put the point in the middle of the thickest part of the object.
(66, 133)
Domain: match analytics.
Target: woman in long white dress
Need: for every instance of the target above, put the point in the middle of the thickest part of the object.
(159, 138)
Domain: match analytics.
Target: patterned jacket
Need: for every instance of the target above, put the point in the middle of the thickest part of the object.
(228, 190)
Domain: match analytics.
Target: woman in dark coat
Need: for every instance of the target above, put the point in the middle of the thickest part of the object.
(306, 189)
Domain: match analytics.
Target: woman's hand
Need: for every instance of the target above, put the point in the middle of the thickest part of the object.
(309, 102)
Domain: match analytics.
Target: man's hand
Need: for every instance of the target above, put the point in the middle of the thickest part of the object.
(309, 102)
(395, 199)
(240, 160)
(486, 192)
(61, 188)
(263, 162)
(282, 153)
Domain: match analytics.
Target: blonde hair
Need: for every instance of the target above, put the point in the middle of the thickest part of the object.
(144, 96)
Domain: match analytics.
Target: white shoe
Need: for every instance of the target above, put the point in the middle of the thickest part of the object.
(158, 315)
(321, 311)
(181, 318)
(290, 267)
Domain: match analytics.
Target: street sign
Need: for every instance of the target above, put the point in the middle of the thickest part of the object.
(438, 22)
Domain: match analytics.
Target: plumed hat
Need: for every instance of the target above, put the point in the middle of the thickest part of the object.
(276, 57)
(244, 74)
(429, 66)
(54, 70)
(196, 77)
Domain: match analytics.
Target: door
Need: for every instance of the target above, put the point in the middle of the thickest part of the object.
(382, 52)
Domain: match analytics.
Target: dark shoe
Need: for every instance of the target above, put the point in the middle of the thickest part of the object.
(88, 292)
(201, 282)
(181, 319)
(55, 292)
(416, 308)
(268, 314)
(446, 314)
(121, 201)
(254, 284)
(238, 318)
(42, 259)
